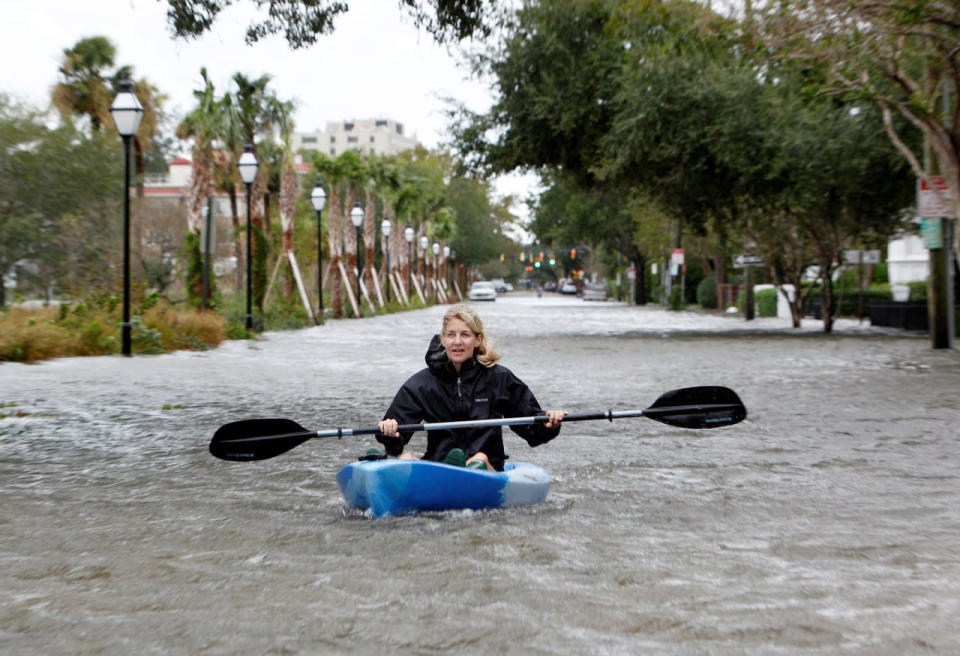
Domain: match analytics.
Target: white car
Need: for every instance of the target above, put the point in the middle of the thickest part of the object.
(483, 290)
(595, 291)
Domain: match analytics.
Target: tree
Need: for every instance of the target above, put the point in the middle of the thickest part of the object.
(334, 175)
(615, 98)
(202, 125)
(355, 173)
(60, 221)
(303, 21)
(83, 89)
(900, 55)
(251, 113)
(87, 89)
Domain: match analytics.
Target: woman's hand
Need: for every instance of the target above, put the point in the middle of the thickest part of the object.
(389, 427)
(554, 417)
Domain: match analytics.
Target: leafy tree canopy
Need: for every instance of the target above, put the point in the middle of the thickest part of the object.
(302, 21)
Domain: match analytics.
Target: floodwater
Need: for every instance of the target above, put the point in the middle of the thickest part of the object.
(826, 523)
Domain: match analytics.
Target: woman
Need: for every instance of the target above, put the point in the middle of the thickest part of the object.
(461, 382)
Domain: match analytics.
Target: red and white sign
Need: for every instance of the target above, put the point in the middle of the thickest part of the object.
(933, 201)
(676, 257)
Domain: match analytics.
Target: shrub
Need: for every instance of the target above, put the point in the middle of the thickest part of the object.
(27, 335)
(93, 328)
(707, 292)
(676, 301)
(766, 300)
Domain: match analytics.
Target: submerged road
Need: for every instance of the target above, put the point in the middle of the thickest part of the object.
(826, 523)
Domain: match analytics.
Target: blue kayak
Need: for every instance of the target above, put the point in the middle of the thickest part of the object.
(399, 487)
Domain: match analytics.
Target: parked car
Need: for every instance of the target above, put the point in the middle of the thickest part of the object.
(595, 291)
(550, 286)
(483, 290)
(499, 285)
(568, 287)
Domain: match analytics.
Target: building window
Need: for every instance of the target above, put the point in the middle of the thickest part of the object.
(333, 152)
(307, 140)
(373, 139)
(381, 123)
(351, 140)
(348, 126)
(399, 129)
(333, 139)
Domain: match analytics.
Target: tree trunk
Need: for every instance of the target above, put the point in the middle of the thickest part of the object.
(287, 200)
(336, 246)
(350, 242)
(369, 240)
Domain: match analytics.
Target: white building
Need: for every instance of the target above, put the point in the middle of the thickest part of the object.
(370, 136)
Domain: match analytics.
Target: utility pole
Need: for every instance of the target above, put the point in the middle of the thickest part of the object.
(938, 237)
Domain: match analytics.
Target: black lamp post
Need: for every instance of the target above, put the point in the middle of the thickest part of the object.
(127, 112)
(408, 234)
(248, 173)
(386, 228)
(318, 197)
(356, 217)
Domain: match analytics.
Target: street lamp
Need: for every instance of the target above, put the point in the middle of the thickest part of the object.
(386, 228)
(248, 173)
(127, 112)
(356, 217)
(408, 234)
(318, 198)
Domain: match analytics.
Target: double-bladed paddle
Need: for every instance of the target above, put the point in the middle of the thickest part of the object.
(690, 407)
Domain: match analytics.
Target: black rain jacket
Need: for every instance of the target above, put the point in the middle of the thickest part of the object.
(439, 394)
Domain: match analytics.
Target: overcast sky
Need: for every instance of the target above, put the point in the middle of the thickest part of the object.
(375, 64)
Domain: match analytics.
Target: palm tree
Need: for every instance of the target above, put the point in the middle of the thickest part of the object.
(83, 89)
(383, 183)
(331, 171)
(202, 125)
(87, 90)
(355, 174)
(253, 111)
(408, 204)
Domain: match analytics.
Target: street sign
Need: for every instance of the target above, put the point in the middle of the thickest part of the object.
(932, 230)
(932, 197)
(676, 257)
(747, 260)
(861, 257)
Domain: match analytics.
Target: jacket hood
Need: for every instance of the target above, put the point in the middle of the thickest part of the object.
(436, 357)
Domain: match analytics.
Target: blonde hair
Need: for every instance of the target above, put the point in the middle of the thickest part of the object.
(486, 350)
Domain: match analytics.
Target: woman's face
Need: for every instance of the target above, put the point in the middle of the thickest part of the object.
(459, 342)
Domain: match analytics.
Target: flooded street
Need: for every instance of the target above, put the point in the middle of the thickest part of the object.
(826, 523)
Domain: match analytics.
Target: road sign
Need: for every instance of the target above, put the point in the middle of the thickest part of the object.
(747, 260)
(861, 257)
(676, 257)
(932, 231)
(932, 197)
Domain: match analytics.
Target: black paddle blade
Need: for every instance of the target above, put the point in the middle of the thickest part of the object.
(698, 407)
(257, 439)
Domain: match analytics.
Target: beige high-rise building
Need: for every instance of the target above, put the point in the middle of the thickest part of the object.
(369, 136)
